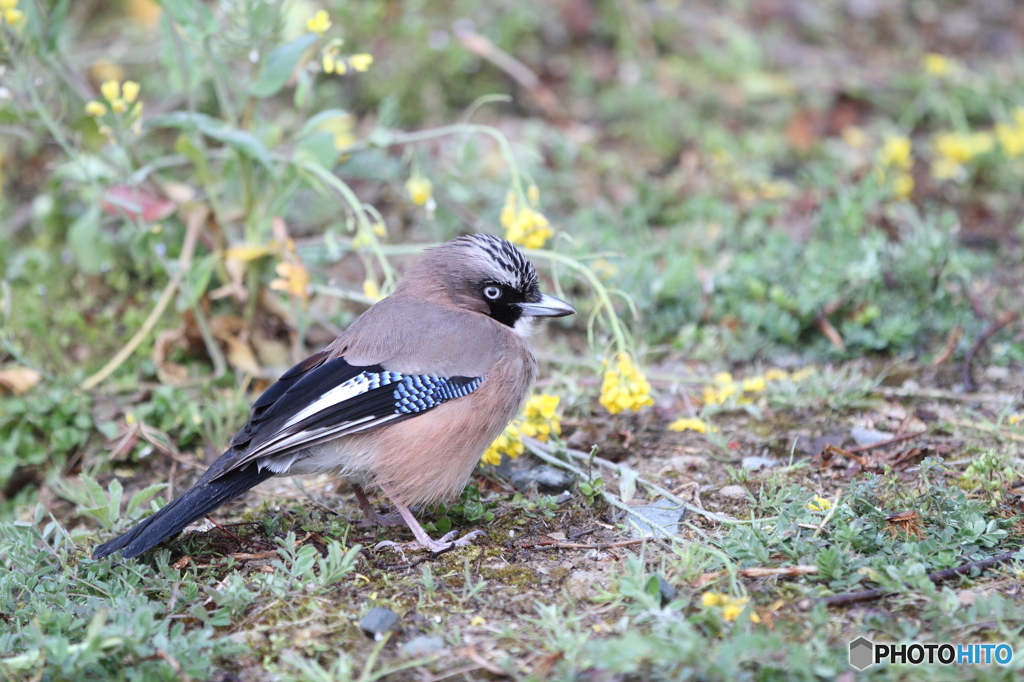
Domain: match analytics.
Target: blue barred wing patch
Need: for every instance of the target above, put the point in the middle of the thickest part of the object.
(419, 392)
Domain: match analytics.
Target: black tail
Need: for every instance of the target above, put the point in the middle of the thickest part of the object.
(194, 504)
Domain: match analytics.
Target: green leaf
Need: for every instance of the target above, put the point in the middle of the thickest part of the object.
(241, 141)
(316, 123)
(88, 245)
(279, 65)
(192, 15)
(197, 279)
(140, 498)
(318, 149)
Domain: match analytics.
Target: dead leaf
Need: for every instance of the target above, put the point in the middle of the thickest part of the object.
(18, 380)
(137, 203)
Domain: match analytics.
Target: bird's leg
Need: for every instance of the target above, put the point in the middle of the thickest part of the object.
(370, 515)
(422, 539)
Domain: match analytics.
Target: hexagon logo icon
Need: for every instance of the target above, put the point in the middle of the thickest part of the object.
(862, 653)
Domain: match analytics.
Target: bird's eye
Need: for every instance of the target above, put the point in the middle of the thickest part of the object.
(492, 292)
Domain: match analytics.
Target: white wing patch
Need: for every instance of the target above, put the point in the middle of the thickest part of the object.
(357, 385)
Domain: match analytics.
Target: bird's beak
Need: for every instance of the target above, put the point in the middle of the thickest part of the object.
(547, 306)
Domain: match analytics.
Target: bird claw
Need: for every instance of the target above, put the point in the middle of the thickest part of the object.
(446, 542)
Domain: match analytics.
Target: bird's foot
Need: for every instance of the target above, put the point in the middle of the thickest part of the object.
(446, 542)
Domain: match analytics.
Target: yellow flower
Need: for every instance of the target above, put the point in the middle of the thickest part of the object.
(371, 290)
(319, 23)
(802, 374)
(895, 152)
(509, 443)
(340, 127)
(731, 607)
(624, 387)
(508, 212)
(360, 62)
(963, 147)
(8, 4)
(819, 503)
(111, 90)
(776, 374)
(902, 185)
(130, 91)
(14, 17)
(1011, 138)
(754, 384)
(690, 424)
(936, 64)
(533, 195)
(477, 621)
(709, 599)
(292, 278)
(95, 108)
(420, 189)
(540, 421)
(723, 389)
(542, 406)
(1014, 418)
(327, 60)
(529, 229)
(118, 105)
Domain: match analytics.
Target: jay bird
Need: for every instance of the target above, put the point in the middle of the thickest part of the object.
(406, 400)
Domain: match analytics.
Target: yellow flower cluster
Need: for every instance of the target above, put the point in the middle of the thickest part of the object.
(731, 607)
(894, 164)
(725, 387)
(540, 420)
(691, 424)
(420, 189)
(334, 62)
(319, 23)
(509, 443)
(937, 65)
(10, 13)
(1011, 137)
(955, 149)
(624, 387)
(293, 278)
(819, 503)
(525, 226)
(120, 98)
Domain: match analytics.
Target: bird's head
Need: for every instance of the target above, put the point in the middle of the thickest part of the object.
(486, 274)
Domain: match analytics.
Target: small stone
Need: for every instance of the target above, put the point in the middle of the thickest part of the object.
(997, 373)
(377, 621)
(543, 478)
(585, 584)
(423, 645)
(563, 497)
(733, 491)
(870, 436)
(665, 590)
(754, 462)
(662, 516)
(686, 462)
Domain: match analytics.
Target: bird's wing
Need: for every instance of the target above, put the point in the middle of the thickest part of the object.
(321, 399)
